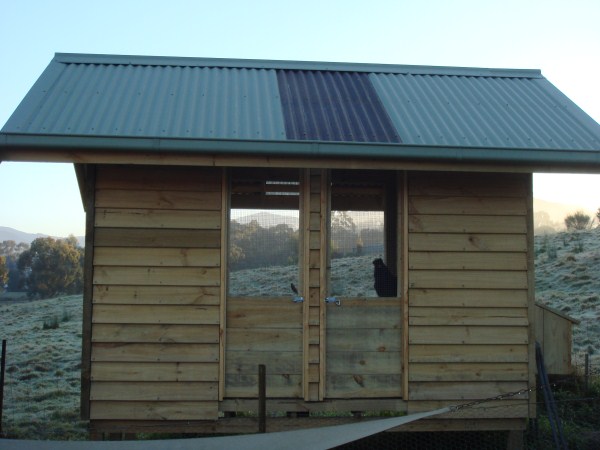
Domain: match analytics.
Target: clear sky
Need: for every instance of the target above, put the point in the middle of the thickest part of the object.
(561, 38)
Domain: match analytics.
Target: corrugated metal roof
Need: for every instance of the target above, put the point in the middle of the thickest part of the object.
(480, 112)
(193, 104)
(158, 101)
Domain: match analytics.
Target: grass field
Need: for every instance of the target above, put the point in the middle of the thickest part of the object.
(44, 336)
(41, 395)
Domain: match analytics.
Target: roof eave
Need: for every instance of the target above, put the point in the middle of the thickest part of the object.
(565, 158)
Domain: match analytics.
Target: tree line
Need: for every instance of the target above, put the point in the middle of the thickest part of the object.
(46, 268)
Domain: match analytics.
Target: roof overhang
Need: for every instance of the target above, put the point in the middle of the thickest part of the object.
(68, 148)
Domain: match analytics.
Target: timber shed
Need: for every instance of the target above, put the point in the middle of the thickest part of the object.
(211, 186)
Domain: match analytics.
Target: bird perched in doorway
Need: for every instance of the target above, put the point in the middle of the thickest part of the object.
(385, 283)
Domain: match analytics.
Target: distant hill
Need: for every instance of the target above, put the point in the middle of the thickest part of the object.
(267, 219)
(10, 234)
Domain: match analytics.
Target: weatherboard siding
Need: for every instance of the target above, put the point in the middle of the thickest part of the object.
(468, 289)
(156, 294)
(164, 346)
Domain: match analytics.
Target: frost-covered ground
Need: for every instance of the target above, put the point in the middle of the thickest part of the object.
(41, 393)
(43, 368)
(351, 277)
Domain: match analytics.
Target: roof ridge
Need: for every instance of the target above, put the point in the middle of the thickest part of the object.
(141, 60)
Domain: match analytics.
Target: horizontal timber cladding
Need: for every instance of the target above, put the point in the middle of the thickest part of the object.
(150, 371)
(468, 288)
(156, 294)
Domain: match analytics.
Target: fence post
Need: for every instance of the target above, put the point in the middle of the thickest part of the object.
(2, 367)
(262, 399)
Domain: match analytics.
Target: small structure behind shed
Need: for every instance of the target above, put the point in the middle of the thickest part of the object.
(554, 332)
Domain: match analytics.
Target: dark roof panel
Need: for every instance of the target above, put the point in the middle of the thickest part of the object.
(333, 106)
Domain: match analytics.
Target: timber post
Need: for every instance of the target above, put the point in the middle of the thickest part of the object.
(262, 399)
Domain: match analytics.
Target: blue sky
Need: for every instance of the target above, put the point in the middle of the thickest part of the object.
(561, 38)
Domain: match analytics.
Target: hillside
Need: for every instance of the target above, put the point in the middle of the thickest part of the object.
(42, 376)
(10, 234)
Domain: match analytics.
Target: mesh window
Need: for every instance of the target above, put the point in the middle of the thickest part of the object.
(362, 230)
(357, 238)
(263, 233)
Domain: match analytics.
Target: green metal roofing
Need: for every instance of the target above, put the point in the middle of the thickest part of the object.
(303, 109)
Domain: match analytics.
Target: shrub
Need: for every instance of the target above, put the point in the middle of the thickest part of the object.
(578, 221)
(66, 316)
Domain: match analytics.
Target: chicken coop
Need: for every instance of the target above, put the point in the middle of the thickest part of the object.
(238, 212)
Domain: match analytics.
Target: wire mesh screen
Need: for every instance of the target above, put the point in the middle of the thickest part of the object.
(357, 238)
(263, 252)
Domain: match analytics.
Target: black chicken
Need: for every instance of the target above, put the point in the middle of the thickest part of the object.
(385, 283)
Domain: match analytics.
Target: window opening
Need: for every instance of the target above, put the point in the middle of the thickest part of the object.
(263, 233)
(362, 237)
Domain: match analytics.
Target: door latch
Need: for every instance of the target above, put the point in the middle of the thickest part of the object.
(298, 299)
(335, 300)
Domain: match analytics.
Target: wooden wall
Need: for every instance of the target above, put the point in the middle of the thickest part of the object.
(468, 289)
(158, 313)
(156, 293)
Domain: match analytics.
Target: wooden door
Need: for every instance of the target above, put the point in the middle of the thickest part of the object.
(363, 331)
(363, 348)
(267, 331)
(264, 317)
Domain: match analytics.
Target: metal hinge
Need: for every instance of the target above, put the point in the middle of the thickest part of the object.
(335, 300)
